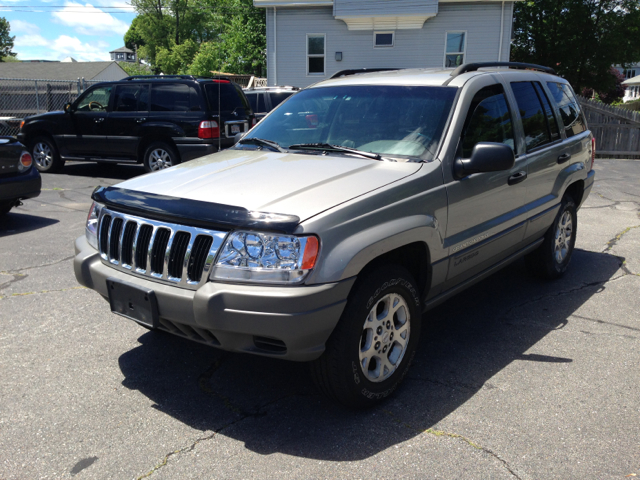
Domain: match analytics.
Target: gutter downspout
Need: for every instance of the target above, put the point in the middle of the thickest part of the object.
(275, 48)
(501, 33)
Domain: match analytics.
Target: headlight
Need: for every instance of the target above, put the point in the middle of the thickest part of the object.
(91, 231)
(256, 257)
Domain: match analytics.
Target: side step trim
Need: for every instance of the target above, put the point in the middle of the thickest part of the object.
(437, 300)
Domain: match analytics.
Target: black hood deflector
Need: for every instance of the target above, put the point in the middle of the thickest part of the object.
(195, 213)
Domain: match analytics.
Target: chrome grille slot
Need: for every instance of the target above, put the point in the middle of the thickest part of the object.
(177, 255)
(160, 251)
(198, 257)
(104, 235)
(127, 243)
(114, 240)
(143, 246)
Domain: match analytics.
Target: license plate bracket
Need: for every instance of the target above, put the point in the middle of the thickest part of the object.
(133, 302)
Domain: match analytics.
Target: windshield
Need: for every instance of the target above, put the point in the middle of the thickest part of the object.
(389, 120)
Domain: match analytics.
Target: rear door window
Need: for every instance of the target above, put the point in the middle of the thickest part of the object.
(176, 97)
(532, 114)
(570, 112)
(131, 98)
(488, 120)
(225, 97)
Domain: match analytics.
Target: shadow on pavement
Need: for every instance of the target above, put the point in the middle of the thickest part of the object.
(272, 406)
(102, 170)
(16, 222)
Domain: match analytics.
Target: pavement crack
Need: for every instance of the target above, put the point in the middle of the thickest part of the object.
(189, 448)
(614, 241)
(16, 278)
(471, 443)
(24, 294)
(602, 322)
(19, 270)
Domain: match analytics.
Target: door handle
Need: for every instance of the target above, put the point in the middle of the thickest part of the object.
(98, 120)
(140, 120)
(564, 157)
(517, 178)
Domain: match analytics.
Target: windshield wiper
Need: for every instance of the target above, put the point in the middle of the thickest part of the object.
(336, 148)
(264, 142)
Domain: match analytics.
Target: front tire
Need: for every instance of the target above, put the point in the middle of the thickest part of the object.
(159, 156)
(551, 259)
(5, 208)
(371, 348)
(45, 155)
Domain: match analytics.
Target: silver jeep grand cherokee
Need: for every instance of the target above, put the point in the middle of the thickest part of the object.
(351, 209)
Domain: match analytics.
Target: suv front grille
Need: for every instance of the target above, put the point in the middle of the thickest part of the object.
(161, 251)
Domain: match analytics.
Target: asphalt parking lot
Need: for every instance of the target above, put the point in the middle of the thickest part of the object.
(515, 378)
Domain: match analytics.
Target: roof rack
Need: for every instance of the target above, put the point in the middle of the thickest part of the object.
(472, 67)
(180, 77)
(354, 71)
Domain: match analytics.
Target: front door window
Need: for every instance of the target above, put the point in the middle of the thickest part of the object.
(96, 100)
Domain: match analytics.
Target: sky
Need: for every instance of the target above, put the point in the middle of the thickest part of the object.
(56, 29)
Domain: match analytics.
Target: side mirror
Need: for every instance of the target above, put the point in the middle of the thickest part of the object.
(67, 107)
(238, 136)
(486, 157)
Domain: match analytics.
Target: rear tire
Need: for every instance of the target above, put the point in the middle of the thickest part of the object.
(158, 156)
(371, 348)
(45, 155)
(551, 259)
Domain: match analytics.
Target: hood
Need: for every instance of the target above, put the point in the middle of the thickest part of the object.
(287, 183)
(45, 115)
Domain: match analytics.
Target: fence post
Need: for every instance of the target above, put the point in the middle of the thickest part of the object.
(49, 98)
(78, 85)
(37, 99)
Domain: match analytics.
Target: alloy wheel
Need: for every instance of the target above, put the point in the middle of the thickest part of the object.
(43, 155)
(563, 237)
(385, 337)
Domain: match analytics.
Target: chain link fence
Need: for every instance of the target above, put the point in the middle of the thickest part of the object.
(21, 97)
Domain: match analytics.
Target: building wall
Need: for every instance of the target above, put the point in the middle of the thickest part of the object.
(413, 48)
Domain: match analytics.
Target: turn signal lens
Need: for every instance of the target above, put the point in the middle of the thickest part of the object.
(310, 253)
(21, 124)
(25, 162)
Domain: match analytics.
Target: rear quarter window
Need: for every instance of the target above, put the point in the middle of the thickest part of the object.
(177, 97)
(569, 107)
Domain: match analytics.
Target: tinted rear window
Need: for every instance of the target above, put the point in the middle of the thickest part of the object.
(278, 98)
(226, 98)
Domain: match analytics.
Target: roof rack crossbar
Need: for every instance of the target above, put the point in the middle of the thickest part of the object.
(354, 71)
(472, 67)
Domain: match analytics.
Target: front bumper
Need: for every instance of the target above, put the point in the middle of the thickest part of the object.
(20, 186)
(293, 323)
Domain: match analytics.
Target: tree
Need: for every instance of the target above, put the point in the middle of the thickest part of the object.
(135, 68)
(581, 39)
(6, 41)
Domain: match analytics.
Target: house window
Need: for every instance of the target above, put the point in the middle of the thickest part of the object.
(315, 53)
(454, 49)
(383, 39)
(119, 56)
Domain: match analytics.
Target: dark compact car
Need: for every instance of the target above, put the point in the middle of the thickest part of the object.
(265, 99)
(18, 179)
(158, 120)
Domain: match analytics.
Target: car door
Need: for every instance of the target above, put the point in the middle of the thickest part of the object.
(130, 111)
(88, 119)
(485, 215)
(544, 152)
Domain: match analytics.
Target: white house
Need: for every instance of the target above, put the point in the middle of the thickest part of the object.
(310, 40)
(631, 89)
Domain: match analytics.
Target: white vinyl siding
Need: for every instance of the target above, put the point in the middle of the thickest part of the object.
(413, 48)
